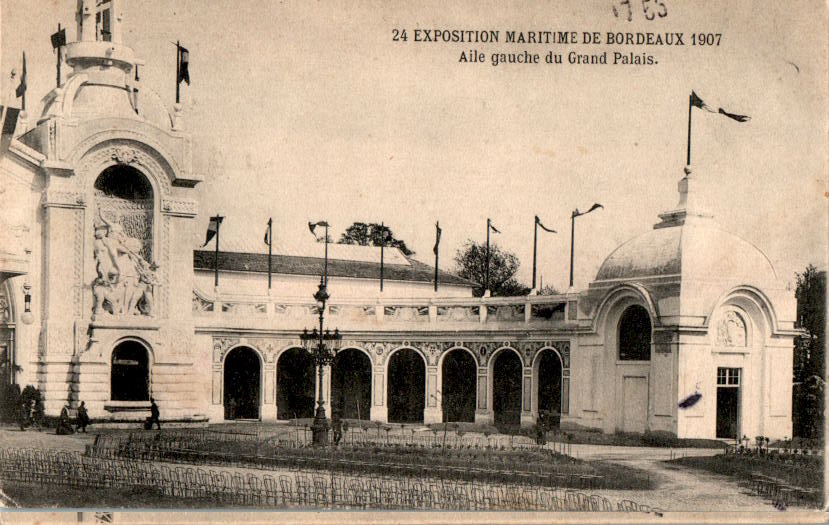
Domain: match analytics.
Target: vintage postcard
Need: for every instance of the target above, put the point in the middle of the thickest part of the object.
(412, 261)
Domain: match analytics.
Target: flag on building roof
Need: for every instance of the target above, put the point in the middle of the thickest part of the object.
(212, 228)
(438, 232)
(546, 229)
(183, 65)
(313, 226)
(21, 88)
(698, 102)
(59, 39)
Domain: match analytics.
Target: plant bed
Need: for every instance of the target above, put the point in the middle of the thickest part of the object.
(534, 466)
(805, 473)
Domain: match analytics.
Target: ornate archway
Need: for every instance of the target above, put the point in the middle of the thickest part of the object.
(242, 384)
(507, 371)
(130, 372)
(406, 386)
(458, 386)
(295, 383)
(351, 384)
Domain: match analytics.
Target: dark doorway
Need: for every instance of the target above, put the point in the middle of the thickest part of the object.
(549, 388)
(458, 386)
(406, 387)
(242, 378)
(295, 384)
(727, 404)
(351, 385)
(130, 377)
(506, 393)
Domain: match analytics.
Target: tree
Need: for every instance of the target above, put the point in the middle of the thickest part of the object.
(810, 354)
(372, 234)
(471, 261)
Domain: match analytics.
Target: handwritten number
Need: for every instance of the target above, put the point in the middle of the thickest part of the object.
(648, 14)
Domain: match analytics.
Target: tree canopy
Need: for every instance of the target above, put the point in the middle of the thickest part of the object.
(372, 234)
(810, 353)
(471, 264)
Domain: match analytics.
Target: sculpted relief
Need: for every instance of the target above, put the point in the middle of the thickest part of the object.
(126, 282)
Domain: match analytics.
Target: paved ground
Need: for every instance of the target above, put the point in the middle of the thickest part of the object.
(678, 489)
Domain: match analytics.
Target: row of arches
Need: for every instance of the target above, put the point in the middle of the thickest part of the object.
(405, 382)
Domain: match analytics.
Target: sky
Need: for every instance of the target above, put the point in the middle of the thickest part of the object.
(308, 111)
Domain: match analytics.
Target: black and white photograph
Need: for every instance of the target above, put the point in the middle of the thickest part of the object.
(405, 262)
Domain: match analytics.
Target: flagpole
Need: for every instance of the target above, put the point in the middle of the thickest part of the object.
(325, 269)
(270, 249)
(535, 247)
(437, 250)
(25, 87)
(382, 245)
(689, 131)
(216, 258)
(178, 70)
(572, 241)
(59, 57)
(486, 280)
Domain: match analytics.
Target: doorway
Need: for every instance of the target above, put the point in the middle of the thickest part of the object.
(242, 376)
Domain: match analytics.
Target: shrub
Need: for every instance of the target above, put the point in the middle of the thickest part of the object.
(660, 438)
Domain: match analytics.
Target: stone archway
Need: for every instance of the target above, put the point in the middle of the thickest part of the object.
(550, 378)
(406, 387)
(458, 386)
(130, 372)
(351, 384)
(507, 371)
(295, 384)
(242, 384)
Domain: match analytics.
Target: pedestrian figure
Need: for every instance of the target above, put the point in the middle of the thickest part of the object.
(64, 424)
(338, 429)
(83, 418)
(154, 416)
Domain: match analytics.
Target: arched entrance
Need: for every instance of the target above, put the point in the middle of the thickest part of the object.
(242, 379)
(351, 384)
(506, 391)
(406, 387)
(549, 374)
(458, 386)
(295, 384)
(130, 375)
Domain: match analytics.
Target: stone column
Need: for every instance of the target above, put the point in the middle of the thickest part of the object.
(433, 411)
(379, 409)
(483, 412)
(527, 416)
(269, 392)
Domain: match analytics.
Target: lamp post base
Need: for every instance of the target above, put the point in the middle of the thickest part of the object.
(319, 428)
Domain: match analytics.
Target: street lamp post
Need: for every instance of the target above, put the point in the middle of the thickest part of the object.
(323, 346)
(577, 213)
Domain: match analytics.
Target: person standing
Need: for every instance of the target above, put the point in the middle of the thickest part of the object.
(64, 426)
(83, 418)
(154, 415)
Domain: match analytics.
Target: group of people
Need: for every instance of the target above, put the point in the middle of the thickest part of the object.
(65, 423)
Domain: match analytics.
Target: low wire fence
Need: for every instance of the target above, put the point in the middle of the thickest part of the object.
(538, 467)
(297, 489)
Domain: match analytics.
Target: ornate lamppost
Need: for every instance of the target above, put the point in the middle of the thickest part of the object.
(323, 346)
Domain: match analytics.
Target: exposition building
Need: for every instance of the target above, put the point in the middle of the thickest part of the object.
(104, 298)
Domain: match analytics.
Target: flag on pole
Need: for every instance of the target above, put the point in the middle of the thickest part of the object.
(699, 103)
(268, 234)
(59, 39)
(313, 227)
(546, 229)
(493, 228)
(21, 88)
(183, 65)
(212, 228)
(438, 231)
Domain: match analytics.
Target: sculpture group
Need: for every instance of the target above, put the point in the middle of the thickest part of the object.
(125, 281)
